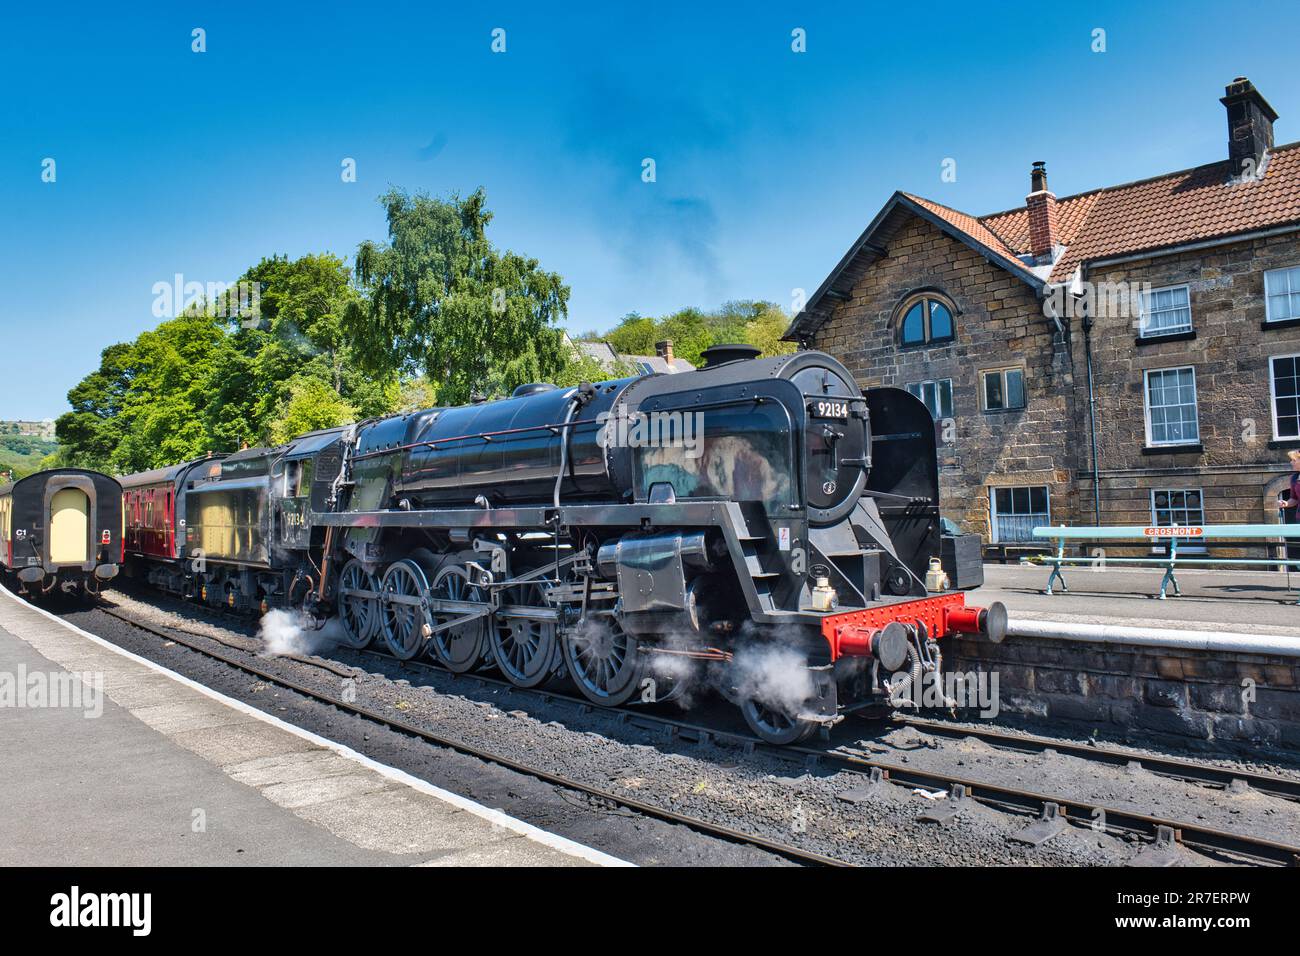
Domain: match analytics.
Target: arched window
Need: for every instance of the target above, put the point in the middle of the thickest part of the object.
(926, 318)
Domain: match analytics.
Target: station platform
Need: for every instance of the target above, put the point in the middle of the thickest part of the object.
(1247, 602)
(157, 770)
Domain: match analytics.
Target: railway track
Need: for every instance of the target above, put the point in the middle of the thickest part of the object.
(873, 771)
(785, 850)
(1190, 771)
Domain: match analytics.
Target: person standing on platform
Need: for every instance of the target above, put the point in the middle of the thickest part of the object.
(1289, 503)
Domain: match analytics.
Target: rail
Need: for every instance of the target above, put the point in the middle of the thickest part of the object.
(1244, 535)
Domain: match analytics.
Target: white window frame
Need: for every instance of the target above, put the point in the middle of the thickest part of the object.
(1190, 546)
(1146, 407)
(1272, 396)
(1146, 333)
(993, 508)
(1293, 289)
(936, 382)
(1002, 372)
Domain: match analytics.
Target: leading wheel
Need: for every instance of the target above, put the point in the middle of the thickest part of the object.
(359, 609)
(775, 726)
(406, 621)
(604, 661)
(459, 648)
(524, 648)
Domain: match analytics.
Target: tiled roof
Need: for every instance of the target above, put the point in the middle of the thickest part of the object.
(977, 230)
(657, 363)
(1012, 227)
(1192, 205)
(1188, 206)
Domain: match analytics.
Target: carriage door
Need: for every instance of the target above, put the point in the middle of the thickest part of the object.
(69, 526)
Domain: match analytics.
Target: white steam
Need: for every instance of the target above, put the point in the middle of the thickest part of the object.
(285, 633)
(775, 676)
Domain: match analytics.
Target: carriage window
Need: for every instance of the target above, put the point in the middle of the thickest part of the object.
(741, 453)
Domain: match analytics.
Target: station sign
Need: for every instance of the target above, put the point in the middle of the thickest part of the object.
(1174, 532)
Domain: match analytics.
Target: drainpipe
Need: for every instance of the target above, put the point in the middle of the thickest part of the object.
(1092, 419)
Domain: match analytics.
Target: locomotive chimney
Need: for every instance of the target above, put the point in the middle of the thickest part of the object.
(721, 354)
(1250, 126)
(664, 350)
(1041, 203)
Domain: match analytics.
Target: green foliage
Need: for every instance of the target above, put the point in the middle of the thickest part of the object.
(148, 403)
(439, 299)
(207, 382)
(20, 455)
(581, 368)
(312, 405)
(692, 331)
(432, 316)
(413, 395)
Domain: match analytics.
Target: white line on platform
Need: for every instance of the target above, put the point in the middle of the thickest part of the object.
(490, 814)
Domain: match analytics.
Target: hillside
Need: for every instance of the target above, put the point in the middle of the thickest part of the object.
(23, 453)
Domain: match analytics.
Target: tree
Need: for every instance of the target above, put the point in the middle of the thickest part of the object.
(439, 299)
(211, 381)
(692, 331)
(298, 335)
(312, 405)
(581, 368)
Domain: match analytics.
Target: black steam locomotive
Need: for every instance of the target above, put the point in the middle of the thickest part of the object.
(759, 524)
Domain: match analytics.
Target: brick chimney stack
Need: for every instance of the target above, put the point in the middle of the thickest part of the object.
(1042, 213)
(664, 350)
(1250, 126)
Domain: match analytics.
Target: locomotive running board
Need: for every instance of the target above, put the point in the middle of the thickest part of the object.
(724, 515)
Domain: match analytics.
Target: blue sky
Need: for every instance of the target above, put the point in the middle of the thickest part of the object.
(768, 162)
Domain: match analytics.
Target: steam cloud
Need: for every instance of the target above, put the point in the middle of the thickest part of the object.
(775, 676)
(285, 633)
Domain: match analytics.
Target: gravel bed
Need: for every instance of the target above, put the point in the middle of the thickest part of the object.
(756, 792)
(1231, 755)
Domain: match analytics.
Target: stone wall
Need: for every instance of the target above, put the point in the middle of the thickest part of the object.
(1240, 466)
(1117, 688)
(999, 323)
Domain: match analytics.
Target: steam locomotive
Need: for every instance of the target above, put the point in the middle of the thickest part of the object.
(760, 525)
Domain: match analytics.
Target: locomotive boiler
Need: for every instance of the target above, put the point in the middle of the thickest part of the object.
(761, 525)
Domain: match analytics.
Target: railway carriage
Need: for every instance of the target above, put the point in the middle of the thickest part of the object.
(61, 529)
(153, 504)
